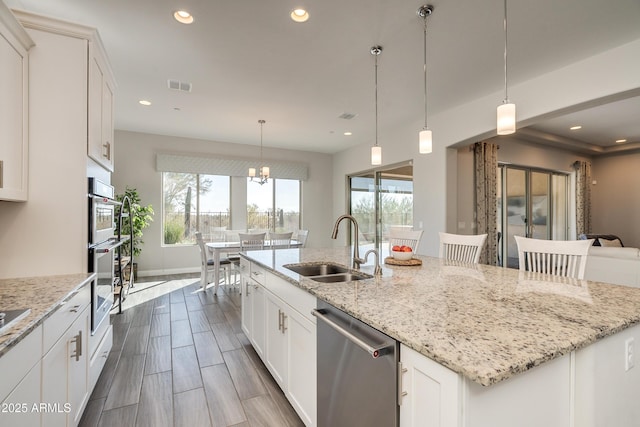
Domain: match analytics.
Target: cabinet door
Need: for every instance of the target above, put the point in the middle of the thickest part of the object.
(430, 392)
(301, 349)
(13, 118)
(100, 112)
(20, 408)
(258, 326)
(64, 375)
(276, 325)
(246, 306)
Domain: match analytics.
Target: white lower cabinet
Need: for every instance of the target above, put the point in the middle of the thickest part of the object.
(284, 338)
(65, 383)
(276, 355)
(429, 392)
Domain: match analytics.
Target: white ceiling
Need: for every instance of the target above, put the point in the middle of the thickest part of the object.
(247, 61)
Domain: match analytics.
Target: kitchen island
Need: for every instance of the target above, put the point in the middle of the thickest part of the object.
(502, 347)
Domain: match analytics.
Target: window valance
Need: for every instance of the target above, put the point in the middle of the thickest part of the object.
(228, 167)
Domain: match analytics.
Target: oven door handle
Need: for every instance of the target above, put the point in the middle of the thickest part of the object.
(373, 350)
(105, 200)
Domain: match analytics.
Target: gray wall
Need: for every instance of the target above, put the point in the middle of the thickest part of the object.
(616, 197)
(135, 159)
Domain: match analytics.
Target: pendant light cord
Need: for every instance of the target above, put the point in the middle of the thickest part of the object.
(376, 97)
(425, 72)
(506, 96)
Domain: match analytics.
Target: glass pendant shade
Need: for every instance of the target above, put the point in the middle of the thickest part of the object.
(426, 141)
(252, 172)
(376, 155)
(506, 113)
(264, 171)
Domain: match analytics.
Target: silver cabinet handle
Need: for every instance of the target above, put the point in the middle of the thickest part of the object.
(74, 309)
(107, 151)
(284, 326)
(374, 351)
(280, 320)
(78, 340)
(401, 393)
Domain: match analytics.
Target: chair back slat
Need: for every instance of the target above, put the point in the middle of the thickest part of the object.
(251, 241)
(403, 237)
(302, 237)
(557, 257)
(459, 247)
(280, 240)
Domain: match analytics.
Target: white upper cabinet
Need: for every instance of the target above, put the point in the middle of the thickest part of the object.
(100, 109)
(14, 71)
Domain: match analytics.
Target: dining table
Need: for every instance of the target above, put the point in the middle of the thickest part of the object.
(219, 247)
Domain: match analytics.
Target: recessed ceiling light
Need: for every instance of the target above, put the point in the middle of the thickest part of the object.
(620, 141)
(299, 15)
(144, 102)
(575, 127)
(183, 16)
(348, 134)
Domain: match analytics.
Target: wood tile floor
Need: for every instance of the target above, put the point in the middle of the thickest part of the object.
(180, 358)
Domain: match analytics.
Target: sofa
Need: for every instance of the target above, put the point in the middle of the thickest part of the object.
(617, 265)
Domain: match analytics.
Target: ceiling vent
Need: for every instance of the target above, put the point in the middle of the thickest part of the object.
(347, 116)
(178, 85)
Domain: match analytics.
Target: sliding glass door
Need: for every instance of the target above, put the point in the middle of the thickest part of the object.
(381, 199)
(531, 203)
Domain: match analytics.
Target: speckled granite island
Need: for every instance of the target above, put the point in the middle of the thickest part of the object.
(518, 348)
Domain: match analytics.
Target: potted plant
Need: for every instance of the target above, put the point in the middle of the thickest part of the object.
(140, 218)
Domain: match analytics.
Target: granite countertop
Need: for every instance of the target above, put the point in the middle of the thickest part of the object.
(43, 295)
(486, 323)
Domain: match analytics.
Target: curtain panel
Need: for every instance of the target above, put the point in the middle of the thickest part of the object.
(486, 167)
(583, 197)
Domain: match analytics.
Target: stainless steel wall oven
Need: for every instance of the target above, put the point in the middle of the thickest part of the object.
(102, 247)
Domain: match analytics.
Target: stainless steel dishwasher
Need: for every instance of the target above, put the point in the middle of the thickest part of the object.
(357, 372)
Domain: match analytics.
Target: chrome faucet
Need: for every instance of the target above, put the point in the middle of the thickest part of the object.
(377, 270)
(356, 246)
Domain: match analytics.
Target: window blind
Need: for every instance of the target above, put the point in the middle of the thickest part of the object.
(228, 167)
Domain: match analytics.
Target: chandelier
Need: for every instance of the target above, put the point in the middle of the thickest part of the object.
(263, 178)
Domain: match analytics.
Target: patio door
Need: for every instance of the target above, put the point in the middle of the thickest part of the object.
(531, 203)
(380, 199)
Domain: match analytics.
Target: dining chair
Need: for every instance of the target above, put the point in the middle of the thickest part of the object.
(208, 265)
(566, 258)
(462, 247)
(280, 240)
(251, 241)
(302, 237)
(404, 237)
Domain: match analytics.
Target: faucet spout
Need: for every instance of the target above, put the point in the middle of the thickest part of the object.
(377, 270)
(356, 245)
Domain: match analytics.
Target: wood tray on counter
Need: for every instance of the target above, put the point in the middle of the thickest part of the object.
(410, 262)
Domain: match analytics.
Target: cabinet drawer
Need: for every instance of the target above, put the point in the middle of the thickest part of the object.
(65, 315)
(15, 364)
(299, 299)
(99, 358)
(257, 273)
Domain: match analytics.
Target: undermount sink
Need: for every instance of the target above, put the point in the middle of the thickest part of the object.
(327, 272)
(316, 269)
(340, 277)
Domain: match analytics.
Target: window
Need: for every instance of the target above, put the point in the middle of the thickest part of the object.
(273, 206)
(194, 202)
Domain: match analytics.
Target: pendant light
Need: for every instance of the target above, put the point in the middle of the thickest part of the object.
(425, 136)
(506, 113)
(376, 150)
(264, 170)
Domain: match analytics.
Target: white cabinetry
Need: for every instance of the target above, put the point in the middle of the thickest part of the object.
(14, 69)
(65, 380)
(100, 109)
(20, 385)
(276, 316)
(429, 392)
